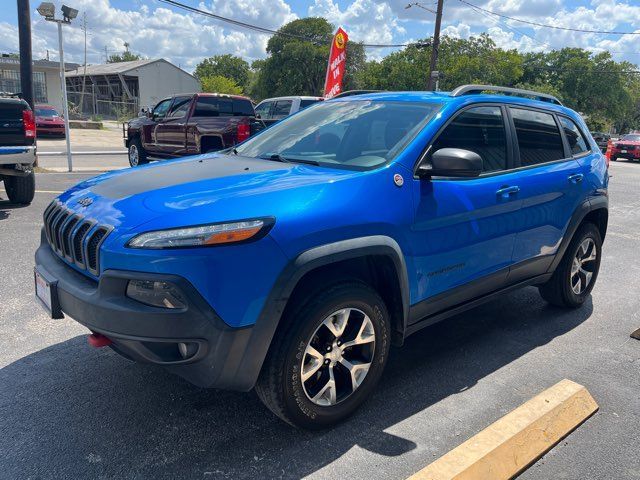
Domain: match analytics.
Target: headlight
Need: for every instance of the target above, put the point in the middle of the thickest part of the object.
(202, 235)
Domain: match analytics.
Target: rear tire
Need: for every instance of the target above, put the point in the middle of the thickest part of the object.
(137, 154)
(577, 272)
(21, 190)
(344, 360)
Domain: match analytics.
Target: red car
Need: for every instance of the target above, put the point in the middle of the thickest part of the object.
(49, 121)
(627, 147)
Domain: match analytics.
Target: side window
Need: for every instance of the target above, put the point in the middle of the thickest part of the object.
(160, 110)
(481, 130)
(213, 107)
(282, 109)
(242, 108)
(574, 136)
(538, 137)
(305, 103)
(263, 110)
(180, 107)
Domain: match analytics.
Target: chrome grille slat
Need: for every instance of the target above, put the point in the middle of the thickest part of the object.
(73, 237)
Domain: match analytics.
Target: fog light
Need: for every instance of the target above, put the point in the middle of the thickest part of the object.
(156, 294)
(187, 350)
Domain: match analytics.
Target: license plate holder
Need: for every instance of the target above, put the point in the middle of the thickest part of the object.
(623, 151)
(46, 289)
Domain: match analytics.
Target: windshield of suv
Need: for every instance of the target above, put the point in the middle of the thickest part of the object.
(46, 112)
(631, 138)
(357, 134)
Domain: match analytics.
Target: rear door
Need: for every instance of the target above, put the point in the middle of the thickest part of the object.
(549, 181)
(171, 132)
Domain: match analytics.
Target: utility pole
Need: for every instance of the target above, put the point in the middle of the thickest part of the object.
(434, 48)
(26, 63)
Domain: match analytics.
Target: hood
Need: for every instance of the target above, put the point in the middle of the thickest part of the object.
(196, 190)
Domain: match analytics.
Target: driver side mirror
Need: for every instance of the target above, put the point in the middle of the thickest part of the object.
(452, 162)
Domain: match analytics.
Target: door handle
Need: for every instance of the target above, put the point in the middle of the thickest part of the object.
(506, 192)
(575, 178)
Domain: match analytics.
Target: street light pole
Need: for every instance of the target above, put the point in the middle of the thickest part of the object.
(47, 10)
(65, 104)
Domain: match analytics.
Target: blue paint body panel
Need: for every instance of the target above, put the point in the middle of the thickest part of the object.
(450, 231)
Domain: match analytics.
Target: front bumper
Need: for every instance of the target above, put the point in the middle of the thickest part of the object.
(150, 334)
(18, 155)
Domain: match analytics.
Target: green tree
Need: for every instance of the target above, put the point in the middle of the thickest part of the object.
(227, 65)
(220, 84)
(297, 66)
(126, 56)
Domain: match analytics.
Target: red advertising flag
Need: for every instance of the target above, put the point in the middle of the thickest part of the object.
(337, 62)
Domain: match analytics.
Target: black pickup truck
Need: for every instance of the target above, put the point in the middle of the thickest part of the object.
(17, 148)
(190, 124)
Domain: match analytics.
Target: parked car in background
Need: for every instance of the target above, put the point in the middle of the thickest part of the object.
(49, 121)
(602, 140)
(273, 110)
(627, 147)
(190, 124)
(292, 263)
(17, 148)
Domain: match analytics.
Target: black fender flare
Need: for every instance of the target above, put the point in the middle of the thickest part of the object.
(253, 354)
(589, 205)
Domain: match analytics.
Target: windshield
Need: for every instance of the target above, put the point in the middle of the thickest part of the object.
(46, 112)
(357, 134)
(632, 138)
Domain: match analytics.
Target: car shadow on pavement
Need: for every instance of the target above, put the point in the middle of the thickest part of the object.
(6, 206)
(72, 411)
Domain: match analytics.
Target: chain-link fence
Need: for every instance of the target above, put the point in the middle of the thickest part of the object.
(88, 105)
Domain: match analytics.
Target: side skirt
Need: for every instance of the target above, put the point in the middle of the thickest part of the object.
(443, 315)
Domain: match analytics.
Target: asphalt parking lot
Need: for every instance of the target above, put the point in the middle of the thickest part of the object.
(70, 411)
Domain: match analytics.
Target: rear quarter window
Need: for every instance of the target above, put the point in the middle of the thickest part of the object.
(577, 142)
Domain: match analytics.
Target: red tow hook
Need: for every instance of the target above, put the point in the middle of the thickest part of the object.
(98, 340)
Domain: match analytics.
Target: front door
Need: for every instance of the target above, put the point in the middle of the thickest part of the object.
(171, 132)
(465, 229)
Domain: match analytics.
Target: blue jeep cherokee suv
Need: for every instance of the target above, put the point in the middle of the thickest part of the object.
(293, 261)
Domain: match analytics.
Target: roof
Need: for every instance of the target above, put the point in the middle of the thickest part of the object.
(447, 98)
(117, 68)
(38, 63)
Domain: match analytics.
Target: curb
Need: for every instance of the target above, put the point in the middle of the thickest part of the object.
(98, 152)
(510, 445)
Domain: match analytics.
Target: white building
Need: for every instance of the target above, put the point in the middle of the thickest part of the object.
(113, 87)
(46, 79)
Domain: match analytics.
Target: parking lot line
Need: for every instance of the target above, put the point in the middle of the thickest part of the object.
(39, 191)
(511, 444)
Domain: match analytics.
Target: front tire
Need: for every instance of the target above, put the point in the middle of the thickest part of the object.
(21, 190)
(328, 358)
(137, 154)
(577, 272)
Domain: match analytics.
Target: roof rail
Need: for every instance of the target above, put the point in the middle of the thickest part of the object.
(518, 92)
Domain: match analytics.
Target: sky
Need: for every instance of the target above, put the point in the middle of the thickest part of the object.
(157, 30)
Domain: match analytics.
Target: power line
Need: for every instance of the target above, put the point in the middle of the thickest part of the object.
(528, 22)
(259, 29)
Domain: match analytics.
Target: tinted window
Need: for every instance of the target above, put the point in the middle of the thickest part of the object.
(282, 109)
(574, 136)
(180, 107)
(160, 109)
(213, 107)
(538, 137)
(306, 103)
(46, 112)
(631, 138)
(11, 110)
(242, 107)
(353, 134)
(263, 109)
(481, 130)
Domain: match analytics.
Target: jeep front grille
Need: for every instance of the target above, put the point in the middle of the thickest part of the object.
(74, 237)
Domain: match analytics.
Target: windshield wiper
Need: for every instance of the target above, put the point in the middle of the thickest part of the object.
(276, 157)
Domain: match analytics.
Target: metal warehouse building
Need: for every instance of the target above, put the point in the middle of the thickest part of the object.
(120, 89)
